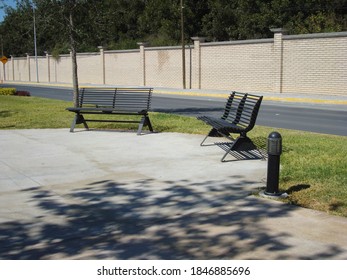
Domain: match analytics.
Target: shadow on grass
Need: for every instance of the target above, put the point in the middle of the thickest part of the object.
(297, 188)
(140, 219)
(192, 111)
(6, 114)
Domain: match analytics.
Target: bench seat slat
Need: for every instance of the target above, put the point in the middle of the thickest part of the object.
(106, 109)
(222, 124)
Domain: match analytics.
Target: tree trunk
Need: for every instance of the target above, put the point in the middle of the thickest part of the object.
(74, 60)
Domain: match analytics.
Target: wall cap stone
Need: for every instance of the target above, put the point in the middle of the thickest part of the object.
(315, 36)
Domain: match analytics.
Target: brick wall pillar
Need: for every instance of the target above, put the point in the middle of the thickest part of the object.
(48, 67)
(278, 58)
(196, 83)
(28, 67)
(12, 64)
(102, 63)
(143, 61)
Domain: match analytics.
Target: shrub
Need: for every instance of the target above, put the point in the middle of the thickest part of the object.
(7, 91)
(22, 93)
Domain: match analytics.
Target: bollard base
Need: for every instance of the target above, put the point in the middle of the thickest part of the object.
(279, 195)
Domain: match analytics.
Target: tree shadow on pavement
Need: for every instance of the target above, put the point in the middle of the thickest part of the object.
(142, 219)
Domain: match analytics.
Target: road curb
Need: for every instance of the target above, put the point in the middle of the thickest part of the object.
(268, 98)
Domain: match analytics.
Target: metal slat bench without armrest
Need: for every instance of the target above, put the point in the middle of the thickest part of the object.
(117, 101)
(240, 115)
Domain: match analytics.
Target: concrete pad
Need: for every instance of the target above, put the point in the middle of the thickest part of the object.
(116, 195)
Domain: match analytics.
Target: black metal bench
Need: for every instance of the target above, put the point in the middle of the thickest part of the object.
(118, 101)
(239, 117)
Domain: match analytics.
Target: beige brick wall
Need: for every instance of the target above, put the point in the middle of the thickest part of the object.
(241, 67)
(311, 63)
(164, 67)
(89, 68)
(53, 70)
(42, 69)
(122, 68)
(20, 70)
(64, 69)
(316, 65)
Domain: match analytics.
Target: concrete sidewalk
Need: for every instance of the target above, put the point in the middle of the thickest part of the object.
(115, 195)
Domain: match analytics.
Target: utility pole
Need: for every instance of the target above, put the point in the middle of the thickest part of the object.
(183, 47)
(3, 64)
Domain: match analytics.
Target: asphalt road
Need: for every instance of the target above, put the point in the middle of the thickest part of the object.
(327, 119)
(314, 118)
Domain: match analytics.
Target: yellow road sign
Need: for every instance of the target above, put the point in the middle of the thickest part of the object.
(4, 59)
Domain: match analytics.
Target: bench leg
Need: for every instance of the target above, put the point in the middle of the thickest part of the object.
(145, 121)
(149, 124)
(78, 119)
(213, 133)
(242, 143)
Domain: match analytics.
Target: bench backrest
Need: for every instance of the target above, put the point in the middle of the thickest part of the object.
(122, 99)
(242, 109)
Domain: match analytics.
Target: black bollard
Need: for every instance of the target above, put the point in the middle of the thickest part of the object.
(274, 150)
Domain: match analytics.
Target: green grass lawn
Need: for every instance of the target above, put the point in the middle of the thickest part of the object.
(313, 166)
